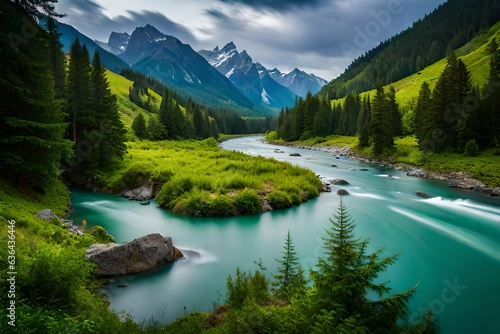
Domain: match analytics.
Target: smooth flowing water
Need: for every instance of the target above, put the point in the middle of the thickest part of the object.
(449, 242)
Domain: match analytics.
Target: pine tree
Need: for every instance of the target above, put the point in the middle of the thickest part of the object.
(467, 128)
(349, 115)
(321, 120)
(345, 275)
(108, 130)
(173, 119)
(57, 58)
(393, 112)
(139, 126)
(201, 122)
(31, 120)
(449, 106)
(156, 130)
(423, 117)
(214, 128)
(381, 132)
(78, 103)
(364, 122)
(311, 107)
(434, 126)
(290, 277)
(36, 7)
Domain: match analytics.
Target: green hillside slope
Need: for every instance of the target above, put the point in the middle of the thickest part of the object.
(447, 28)
(473, 54)
(120, 87)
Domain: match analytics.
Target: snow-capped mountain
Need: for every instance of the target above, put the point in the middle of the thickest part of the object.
(118, 42)
(175, 64)
(298, 81)
(251, 78)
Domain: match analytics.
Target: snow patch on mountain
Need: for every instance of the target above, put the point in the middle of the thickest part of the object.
(264, 96)
(251, 78)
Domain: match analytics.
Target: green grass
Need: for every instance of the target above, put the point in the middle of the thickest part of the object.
(201, 179)
(484, 167)
(407, 151)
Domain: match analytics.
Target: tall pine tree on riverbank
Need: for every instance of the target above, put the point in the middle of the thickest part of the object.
(97, 131)
(382, 118)
(448, 118)
(31, 120)
(343, 278)
(109, 135)
(78, 91)
(290, 277)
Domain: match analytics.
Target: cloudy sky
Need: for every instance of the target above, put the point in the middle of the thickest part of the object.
(318, 36)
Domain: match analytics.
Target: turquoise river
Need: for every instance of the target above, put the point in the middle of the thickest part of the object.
(449, 242)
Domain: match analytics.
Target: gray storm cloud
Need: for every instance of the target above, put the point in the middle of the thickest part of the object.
(89, 18)
(320, 35)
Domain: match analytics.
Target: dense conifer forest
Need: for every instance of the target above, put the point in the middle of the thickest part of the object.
(455, 116)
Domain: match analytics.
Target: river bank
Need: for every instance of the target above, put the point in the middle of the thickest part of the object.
(455, 179)
(429, 233)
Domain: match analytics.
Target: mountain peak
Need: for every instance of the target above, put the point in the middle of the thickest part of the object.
(118, 36)
(298, 81)
(251, 78)
(147, 32)
(150, 27)
(228, 47)
(117, 42)
(143, 41)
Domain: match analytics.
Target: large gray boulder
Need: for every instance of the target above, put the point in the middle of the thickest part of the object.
(145, 191)
(141, 254)
(47, 215)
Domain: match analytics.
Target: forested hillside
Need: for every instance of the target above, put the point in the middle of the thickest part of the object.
(192, 120)
(447, 28)
(450, 106)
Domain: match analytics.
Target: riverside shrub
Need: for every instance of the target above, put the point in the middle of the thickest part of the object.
(279, 199)
(248, 202)
(171, 191)
(222, 206)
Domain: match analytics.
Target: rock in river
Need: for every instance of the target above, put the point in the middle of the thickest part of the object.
(141, 254)
(340, 182)
(147, 190)
(342, 192)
